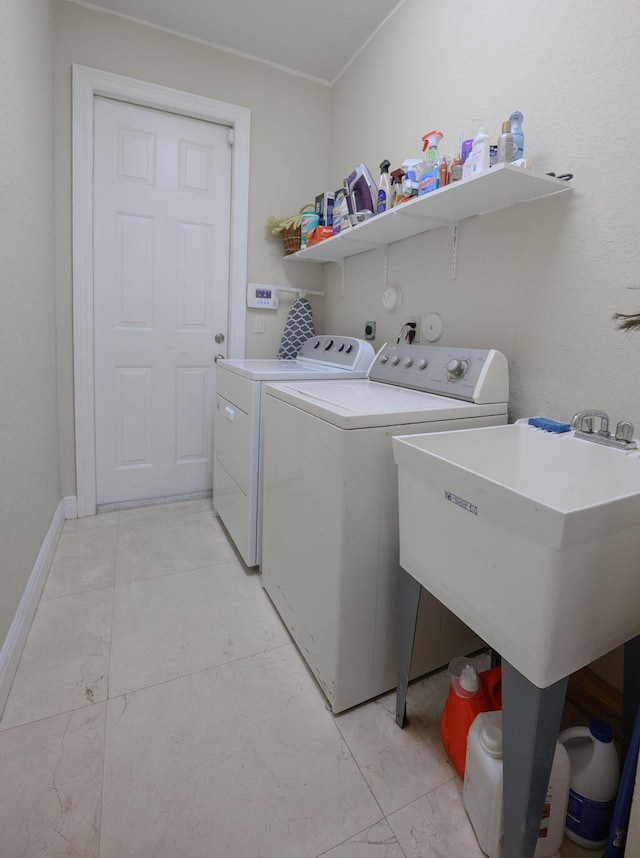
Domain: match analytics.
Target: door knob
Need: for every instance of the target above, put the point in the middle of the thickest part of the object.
(219, 338)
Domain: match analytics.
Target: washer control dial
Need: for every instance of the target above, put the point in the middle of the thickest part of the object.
(395, 360)
(408, 362)
(456, 368)
(384, 358)
(328, 345)
(423, 363)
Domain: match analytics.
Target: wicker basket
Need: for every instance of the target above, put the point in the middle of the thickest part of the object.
(291, 240)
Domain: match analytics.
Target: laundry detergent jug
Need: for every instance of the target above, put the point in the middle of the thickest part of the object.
(595, 773)
(483, 789)
(470, 694)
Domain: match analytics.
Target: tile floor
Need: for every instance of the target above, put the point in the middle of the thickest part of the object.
(160, 710)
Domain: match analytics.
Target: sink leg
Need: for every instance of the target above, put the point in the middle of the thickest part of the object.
(408, 602)
(631, 691)
(530, 723)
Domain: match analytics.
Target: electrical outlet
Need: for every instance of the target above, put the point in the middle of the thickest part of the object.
(418, 321)
(369, 330)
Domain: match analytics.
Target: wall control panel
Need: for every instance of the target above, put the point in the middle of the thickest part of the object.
(262, 296)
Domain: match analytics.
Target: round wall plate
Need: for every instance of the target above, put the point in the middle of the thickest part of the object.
(391, 298)
(432, 327)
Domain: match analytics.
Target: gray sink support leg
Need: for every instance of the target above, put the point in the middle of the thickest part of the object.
(631, 690)
(409, 601)
(530, 725)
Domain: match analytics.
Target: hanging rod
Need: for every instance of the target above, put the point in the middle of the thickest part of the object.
(302, 293)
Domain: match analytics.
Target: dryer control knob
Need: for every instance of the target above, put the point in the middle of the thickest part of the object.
(422, 363)
(456, 368)
(349, 348)
(408, 362)
(328, 345)
(341, 347)
(395, 360)
(384, 358)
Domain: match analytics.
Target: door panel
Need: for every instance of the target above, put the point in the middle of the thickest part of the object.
(161, 279)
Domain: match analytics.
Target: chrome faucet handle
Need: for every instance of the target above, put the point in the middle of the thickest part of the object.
(624, 431)
(583, 422)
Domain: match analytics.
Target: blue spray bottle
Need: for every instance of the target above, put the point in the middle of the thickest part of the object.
(518, 137)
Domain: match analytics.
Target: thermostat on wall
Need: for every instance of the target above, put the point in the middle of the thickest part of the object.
(263, 296)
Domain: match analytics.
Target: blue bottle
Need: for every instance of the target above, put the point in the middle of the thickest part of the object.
(518, 137)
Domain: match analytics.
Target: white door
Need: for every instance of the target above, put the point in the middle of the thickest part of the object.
(162, 190)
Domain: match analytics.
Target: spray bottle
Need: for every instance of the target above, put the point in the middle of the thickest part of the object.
(430, 146)
(385, 198)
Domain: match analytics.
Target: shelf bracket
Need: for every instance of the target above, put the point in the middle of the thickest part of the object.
(454, 253)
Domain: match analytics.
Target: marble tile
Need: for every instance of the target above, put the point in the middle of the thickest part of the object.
(51, 786)
(85, 559)
(436, 825)
(243, 760)
(378, 841)
(399, 765)
(91, 522)
(165, 512)
(167, 627)
(569, 849)
(159, 547)
(65, 662)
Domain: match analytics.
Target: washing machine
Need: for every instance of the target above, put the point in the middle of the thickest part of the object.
(238, 438)
(330, 523)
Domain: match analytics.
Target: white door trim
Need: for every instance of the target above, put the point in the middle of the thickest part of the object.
(87, 84)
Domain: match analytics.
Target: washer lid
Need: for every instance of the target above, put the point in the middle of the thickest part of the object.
(281, 370)
(361, 404)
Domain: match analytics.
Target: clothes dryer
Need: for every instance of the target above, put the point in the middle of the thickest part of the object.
(238, 439)
(330, 523)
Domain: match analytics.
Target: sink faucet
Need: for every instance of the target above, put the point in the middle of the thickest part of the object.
(582, 422)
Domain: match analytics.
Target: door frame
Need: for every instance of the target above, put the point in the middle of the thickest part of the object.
(87, 84)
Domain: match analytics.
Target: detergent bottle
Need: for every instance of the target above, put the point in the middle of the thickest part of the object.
(595, 773)
(479, 159)
(483, 790)
(470, 694)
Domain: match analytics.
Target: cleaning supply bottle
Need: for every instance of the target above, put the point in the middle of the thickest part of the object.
(385, 198)
(443, 172)
(483, 778)
(483, 790)
(430, 147)
(505, 144)
(595, 773)
(470, 693)
(518, 137)
(479, 158)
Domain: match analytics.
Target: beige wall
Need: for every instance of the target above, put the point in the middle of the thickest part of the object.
(289, 161)
(539, 281)
(29, 467)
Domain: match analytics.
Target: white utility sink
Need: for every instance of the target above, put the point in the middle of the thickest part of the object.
(532, 539)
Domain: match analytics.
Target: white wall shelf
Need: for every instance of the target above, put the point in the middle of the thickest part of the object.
(501, 187)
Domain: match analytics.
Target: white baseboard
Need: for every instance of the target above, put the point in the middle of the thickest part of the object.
(19, 629)
(70, 506)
